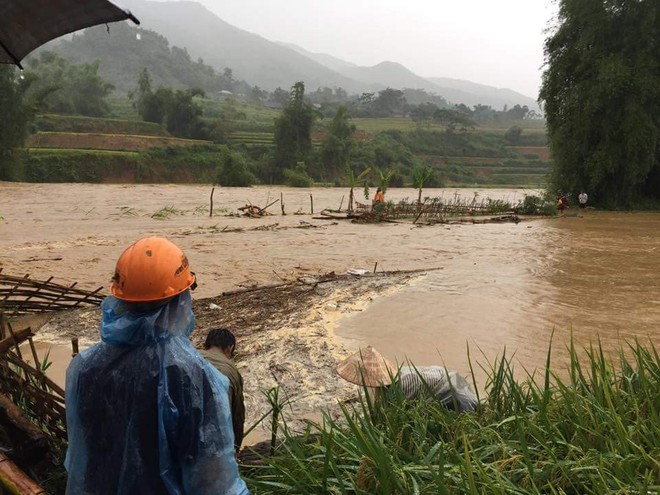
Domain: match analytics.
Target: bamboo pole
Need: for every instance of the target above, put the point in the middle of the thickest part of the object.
(15, 481)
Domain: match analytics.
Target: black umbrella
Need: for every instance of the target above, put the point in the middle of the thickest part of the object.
(28, 24)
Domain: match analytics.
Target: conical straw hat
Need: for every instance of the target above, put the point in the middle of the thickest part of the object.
(367, 367)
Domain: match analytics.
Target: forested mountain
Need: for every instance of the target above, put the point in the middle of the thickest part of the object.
(252, 58)
(194, 47)
(124, 51)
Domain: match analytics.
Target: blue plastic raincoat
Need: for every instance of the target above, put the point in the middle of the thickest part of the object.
(146, 414)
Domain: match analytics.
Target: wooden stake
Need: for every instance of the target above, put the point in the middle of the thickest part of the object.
(311, 200)
(74, 347)
(375, 266)
(341, 203)
(211, 208)
(282, 203)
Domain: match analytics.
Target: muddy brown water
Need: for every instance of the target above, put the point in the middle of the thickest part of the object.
(593, 274)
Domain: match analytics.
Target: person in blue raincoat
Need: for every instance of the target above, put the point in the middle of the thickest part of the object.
(146, 414)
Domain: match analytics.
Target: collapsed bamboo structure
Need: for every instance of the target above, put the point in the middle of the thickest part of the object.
(32, 406)
(21, 296)
(27, 385)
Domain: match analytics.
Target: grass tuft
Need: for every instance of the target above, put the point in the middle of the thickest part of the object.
(596, 431)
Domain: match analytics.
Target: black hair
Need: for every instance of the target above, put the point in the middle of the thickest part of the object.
(220, 337)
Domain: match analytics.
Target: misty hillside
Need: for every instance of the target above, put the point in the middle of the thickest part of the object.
(468, 89)
(252, 58)
(329, 61)
(123, 57)
(390, 74)
(188, 32)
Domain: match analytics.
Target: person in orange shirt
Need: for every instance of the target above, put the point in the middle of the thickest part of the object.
(378, 201)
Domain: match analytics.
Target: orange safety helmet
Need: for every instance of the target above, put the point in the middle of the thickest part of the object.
(152, 269)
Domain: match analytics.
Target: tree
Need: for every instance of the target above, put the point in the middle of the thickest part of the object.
(73, 89)
(389, 102)
(293, 130)
(420, 176)
(601, 93)
(354, 181)
(453, 119)
(513, 134)
(233, 170)
(184, 115)
(279, 98)
(338, 142)
(16, 115)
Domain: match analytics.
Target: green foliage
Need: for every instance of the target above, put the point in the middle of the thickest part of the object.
(124, 56)
(233, 170)
(596, 431)
(384, 179)
(453, 120)
(293, 129)
(71, 89)
(17, 112)
(536, 205)
(182, 164)
(167, 212)
(601, 92)
(176, 108)
(513, 135)
(297, 177)
(338, 143)
(92, 125)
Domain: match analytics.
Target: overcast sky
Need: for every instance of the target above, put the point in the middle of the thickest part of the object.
(494, 42)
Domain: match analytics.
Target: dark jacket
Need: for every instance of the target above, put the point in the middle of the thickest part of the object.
(224, 365)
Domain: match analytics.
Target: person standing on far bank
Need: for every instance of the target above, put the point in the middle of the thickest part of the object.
(379, 200)
(582, 199)
(219, 349)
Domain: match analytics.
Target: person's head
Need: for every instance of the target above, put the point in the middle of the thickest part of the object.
(223, 339)
(150, 272)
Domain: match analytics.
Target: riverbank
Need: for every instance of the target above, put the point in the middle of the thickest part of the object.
(596, 432)
(285, 338)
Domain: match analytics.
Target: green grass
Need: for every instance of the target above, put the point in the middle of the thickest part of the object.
(594, 428)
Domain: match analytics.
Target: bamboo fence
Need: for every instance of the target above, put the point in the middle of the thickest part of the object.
(20, 296)
(26, 384)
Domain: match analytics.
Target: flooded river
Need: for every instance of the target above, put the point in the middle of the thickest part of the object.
(594, 274)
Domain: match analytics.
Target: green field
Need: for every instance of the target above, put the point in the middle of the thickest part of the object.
(479, 156)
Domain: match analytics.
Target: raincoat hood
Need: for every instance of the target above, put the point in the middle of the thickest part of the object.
(122, 325)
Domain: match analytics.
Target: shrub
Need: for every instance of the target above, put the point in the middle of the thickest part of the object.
(536, 205)
(233, 170)
(297, 177)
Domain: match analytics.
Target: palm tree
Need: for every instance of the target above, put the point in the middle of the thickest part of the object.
(420, 175)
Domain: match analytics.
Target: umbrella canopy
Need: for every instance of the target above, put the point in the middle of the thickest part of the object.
(367, 366)
(28, 24)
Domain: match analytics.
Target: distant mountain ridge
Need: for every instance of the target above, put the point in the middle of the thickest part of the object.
(267, 64)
